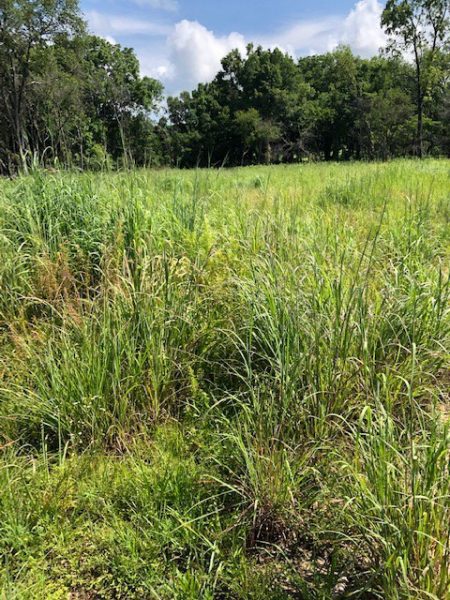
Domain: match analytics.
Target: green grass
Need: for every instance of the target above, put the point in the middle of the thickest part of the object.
(226, 384)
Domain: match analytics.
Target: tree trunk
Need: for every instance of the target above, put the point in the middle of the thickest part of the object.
(420, 128)
(420, 98)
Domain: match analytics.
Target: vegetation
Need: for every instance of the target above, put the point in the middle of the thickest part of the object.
(67, 97)
(226, 384)
(422, 27)
(72, 99)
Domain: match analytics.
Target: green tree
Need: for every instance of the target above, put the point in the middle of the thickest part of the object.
(117, 97)
(420, 27)
(27, 25)
(386, 110)
(334, 79)
(257, 135)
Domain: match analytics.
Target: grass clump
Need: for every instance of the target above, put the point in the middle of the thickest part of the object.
(226, 384)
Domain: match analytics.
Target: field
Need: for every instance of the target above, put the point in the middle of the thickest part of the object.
(226, 384)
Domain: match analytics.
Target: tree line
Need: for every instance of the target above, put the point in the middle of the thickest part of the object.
(74, 99)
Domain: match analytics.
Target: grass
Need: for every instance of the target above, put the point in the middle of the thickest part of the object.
(226, 384)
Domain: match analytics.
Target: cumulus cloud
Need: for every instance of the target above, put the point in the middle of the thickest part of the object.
(195, 52)
(157, 66)
(360, 29)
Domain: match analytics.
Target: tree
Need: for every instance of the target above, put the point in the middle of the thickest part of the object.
(257, 135)
(420, 27)
(67, 96)
(253, 111)
(26, 25)
(117, 98)
(334, 79)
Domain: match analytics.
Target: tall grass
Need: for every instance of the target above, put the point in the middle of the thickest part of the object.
(226, 384)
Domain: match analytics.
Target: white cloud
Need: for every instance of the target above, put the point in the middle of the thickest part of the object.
(105, 25)
(110, 39)
(320, 35)
(157, 66)
(195, 52)
(360, 29)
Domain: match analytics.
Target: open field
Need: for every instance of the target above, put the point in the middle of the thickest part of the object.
(226, 384)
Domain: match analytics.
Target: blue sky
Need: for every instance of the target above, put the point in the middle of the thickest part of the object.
(182, 42)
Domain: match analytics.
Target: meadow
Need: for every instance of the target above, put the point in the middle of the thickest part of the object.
(226, 384)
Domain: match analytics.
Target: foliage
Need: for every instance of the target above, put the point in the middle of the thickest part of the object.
(266, 108)
(421, 27)
(64, 92)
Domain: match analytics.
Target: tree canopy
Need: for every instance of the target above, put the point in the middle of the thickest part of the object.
(74, 99)
(422, 28)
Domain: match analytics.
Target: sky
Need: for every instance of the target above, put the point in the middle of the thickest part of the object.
(181, 42)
